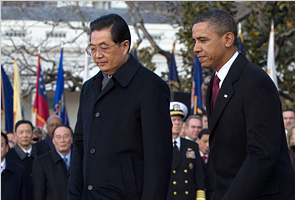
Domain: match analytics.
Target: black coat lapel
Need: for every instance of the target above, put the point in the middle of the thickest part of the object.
(226, 91)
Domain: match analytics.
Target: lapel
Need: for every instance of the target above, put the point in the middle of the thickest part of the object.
(226, 91)
(56, 159)
(182, 153)
(209, 98)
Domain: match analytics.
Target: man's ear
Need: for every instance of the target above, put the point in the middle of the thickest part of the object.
(229, 39)
(126, 45)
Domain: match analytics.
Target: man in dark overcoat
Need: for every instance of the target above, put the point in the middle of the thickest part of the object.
(51, 169)
(122, 146)
(15, 183)
(247, 137)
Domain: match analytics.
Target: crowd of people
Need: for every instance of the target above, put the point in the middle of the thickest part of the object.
(131, 142)
(40, 170)
(36, 168)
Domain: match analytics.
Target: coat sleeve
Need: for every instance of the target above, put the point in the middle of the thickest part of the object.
(262, 109)
(157, 141)
(39, 181)
(76, 184)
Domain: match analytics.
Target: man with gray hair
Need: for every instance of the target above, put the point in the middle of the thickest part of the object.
(193, 126)
(247, 137)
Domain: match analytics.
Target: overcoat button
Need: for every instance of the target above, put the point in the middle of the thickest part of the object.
(92, 151)
(97, 114)
(90, 187)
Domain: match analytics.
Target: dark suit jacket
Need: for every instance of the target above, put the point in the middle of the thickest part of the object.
(122, 140)
(14, 182)
(187, 172)
(50, 177)
(248, 142)
(44, 146)
(17, 155)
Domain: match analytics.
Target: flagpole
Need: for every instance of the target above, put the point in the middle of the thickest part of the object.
(271, 67)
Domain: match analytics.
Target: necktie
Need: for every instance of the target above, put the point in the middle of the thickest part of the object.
(215, 90)
(204, 159)
(27, 154)
(66, 162)
(175, 151)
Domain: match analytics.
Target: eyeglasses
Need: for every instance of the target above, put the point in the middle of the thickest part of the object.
(35, 139)
(92, 49)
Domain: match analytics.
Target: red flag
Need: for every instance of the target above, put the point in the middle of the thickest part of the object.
(40, 105)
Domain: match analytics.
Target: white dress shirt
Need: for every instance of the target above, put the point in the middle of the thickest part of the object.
(177, 142)
(225, 68)
(3, 165)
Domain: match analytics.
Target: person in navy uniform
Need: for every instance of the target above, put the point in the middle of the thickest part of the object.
(187, 177)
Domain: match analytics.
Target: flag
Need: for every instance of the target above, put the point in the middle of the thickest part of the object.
(59, 106)
(6, 102)
(17, 109)
(196, 97)
(271, 67)
(174, 83)
(240, 40)
(135, 52)
(86, 68)
(40, 107)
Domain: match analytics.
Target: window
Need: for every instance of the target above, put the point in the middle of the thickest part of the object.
(56, 35)
(155, 37)
(15, 34)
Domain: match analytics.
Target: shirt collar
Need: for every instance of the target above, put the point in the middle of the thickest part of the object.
(3, 165)
(27, 151)
(202, 154)
(68, 156)
(177, 142)
(225, 68)
(186, 137)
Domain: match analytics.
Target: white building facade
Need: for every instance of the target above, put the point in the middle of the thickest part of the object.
(34, 29)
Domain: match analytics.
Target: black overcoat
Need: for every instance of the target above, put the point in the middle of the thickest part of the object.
(122, 146)
(15, 183)
(248, 142)
(50, 177)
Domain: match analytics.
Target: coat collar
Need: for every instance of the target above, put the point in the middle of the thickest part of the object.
(56, 159)
(22, 154)
(123, 76)
(226, 91)
(55, 156)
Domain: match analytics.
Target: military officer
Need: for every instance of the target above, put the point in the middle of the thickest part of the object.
(187, 177)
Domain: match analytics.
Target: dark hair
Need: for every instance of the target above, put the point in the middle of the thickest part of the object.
(5, 137)
(118, 27)
(289, 109)
(204, 131)
(220, 21)
(23, 121)
(62, 125)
